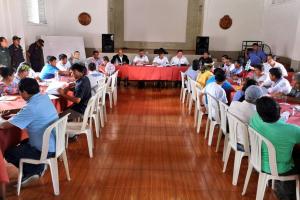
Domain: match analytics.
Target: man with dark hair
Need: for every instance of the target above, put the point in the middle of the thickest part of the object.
(50, 69)
(36, 55)
(256, 55)
(96, 58)
(120, 58)
(140, 59)
(63, 64)
(279, 85)
(94, 76)
(295, 92)
(161, 59)
(283, 136)
(16, 52)
(38, 113)
(82, 92)
(237, 70)
(205, 59)
(4, 53)
(272, 63)
(179, 59)
(75, 58)
(259, 74)
(109, 67)
(193, 70)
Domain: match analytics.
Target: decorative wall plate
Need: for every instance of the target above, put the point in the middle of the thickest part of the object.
(84, 18)
(225, 22)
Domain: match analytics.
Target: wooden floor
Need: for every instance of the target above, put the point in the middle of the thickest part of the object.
(148, 150)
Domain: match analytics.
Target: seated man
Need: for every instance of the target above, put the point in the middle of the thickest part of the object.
(22, 72)
(205, 74)
(238, 109)
(227, 65)
(63, 64)
(240, 94)
(161, 59)
(271, 63)
(283, 136)
(295, 92)
(279, 85)
(31, 73)
(82, 92)
(38, 113)
(120, 58)
(237, 70)
(140, 59)
(94, 76)
(205, 59)
(50, 69)
(96, 58)
(193, 70)
(75, 58)
(256, 55)
(259, 74)
(109, 68)
(179, 59)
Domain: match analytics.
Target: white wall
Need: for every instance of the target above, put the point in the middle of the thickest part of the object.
(247, 23)
(281, 29)
(155, 20)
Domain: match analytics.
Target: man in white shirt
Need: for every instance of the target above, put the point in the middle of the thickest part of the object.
(215, 89)
(161, 60)
(279, 84)
(259, 75)
(94, 76)
(245, 110)
(141, 59)
(109, 67)
(63, 64)
(228, 65)
(271, 63)
(179, 59)
(95, 59)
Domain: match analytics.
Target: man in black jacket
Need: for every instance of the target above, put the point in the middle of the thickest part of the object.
(16, 52)
(36, 56)
(4, 53)
(120, 58)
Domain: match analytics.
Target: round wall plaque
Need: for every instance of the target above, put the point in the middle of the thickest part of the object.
(225, 22)
(84, 18)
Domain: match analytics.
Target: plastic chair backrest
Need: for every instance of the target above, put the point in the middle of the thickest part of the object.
(59, 129)
(88, 112)
(101, 82)
(223, 116)
(193, 85)
(256, 141)
(236, 126)
(198, 93)
(104, 95)
(183, 76)
(213, 108)
(189, 84)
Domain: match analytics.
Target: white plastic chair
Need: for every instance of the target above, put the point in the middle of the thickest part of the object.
(213, 118)
(85, 126)
(96, 117)
(60, 150)
(193, 94)
(189, 91)
(223, 127)
(111, 89)
(184, 89)
(256, 141)
(102, 107)
(236, 126)
(199, 114)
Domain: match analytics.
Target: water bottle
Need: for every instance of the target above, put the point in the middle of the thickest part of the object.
(248, 65)
(56, 76)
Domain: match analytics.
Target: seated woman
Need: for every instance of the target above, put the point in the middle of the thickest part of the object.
(295, 92)
(240, 94)
(192, 72)
(204, 75)
(7, 85)
(22, 72)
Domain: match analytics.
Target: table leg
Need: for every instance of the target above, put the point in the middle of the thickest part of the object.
(2, 191)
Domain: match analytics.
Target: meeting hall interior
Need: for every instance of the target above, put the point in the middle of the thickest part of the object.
(149, 99)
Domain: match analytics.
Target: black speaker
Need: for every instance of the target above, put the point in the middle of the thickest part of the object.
(202, 44)
(108, 43)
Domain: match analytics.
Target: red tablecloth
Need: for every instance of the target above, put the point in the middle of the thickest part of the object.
(294, 119)
(150, 73)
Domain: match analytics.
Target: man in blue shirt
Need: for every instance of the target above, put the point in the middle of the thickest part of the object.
(257, 56)
(50, 69)
(36, 116)
(226, 85)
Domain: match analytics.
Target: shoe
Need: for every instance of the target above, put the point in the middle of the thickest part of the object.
(27, 178)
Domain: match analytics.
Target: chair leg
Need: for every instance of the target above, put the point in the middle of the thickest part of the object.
(66, 164)
(184, 95)
(196, 113)
(261, 186)
(20, 178)
(115, 96)
(190, 105)
(101, 116)
(211, 132)
(96, 122)
(227, 154)
(199, 121)
(104, 113)
(54, 175)
(297, 189)
(225, 146)
(181, 94)
(207, 127)
(219, 139)
(237, 165)
(249, 172)
(89, 142)
(110, 100)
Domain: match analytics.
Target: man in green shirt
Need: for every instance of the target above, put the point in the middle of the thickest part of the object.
(4, 52)
(283, 136)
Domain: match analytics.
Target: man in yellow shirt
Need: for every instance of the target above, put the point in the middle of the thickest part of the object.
(204, 75)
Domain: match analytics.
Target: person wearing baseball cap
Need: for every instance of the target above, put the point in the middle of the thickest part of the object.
(16, 52)
(36, 55)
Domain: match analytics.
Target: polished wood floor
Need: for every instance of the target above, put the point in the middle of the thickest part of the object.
(148, 150)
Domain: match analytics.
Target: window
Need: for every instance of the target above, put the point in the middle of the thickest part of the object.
(36, 11)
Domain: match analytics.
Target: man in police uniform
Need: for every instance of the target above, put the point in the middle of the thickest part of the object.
(4, 53)
(16, 52)
(35, 55)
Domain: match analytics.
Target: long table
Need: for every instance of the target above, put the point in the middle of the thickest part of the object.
(150, 73)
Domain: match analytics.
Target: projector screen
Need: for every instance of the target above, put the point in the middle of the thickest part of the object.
(155, 20)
